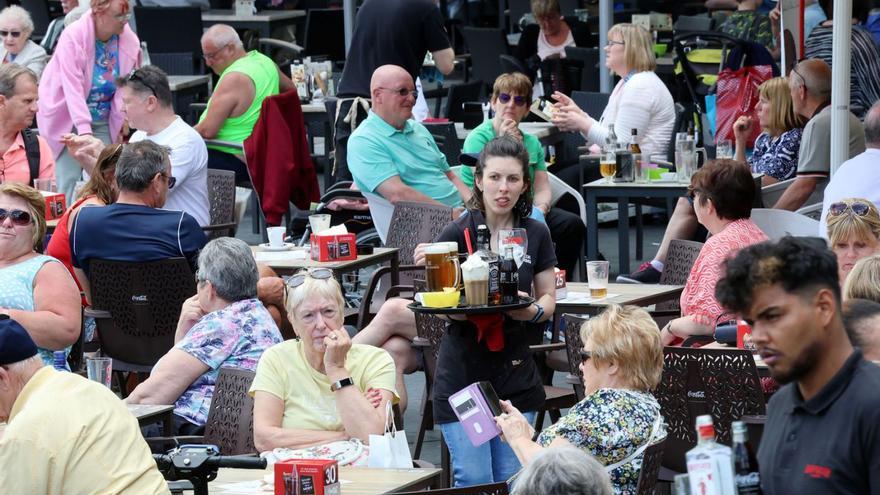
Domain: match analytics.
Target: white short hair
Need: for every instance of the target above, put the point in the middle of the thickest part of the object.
(563, 471)
(222, 35)
(17, 14)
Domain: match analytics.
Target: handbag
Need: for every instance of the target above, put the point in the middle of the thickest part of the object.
(736, 95)
(390, 450)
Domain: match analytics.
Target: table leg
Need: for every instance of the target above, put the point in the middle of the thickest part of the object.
(623, 234)
(168, 423)
(640, 233)
(395, 268)
(592, 237)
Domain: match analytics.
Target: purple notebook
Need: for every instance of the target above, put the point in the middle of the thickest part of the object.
(476, 407)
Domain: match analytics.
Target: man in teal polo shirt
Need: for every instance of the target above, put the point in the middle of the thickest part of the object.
(393, 156)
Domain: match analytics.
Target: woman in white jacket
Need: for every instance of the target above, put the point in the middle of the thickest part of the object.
(639, 101)
(16, 27)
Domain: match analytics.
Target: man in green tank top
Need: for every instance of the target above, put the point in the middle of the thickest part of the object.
(246, 79)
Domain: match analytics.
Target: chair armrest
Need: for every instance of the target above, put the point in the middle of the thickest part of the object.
(219, 226)
(371, 289)
(98, 314)
(555, 346)
(420, 343)
(276, 43)
(228, 144)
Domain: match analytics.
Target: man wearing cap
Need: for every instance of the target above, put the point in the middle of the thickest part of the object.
(65, 434)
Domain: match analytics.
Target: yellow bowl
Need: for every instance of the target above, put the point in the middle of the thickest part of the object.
(445, 299)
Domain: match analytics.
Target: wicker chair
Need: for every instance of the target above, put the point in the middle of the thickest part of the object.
(651, 460)
(679, 261)
(721, 382)
(221, 198)
(490, 489)
(572, 326)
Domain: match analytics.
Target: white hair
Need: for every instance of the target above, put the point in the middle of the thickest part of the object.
(222, 35)
(17, 14)
(563, 471)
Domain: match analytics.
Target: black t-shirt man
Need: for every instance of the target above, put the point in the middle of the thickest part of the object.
(828, 444)
(397, 32)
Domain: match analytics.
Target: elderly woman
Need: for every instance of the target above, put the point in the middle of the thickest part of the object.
(318, 388)
(563, 471)
(639, 102)
(510, 102)
(854, 232)
(99, 190)
(37, 291)
(497, 350)
(79, 93)
(618, 417)
(16, 27)
(722, 192)
(223, 325)
(863, 281)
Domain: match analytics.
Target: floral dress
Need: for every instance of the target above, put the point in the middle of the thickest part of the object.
(777, 156)
(610, 425)
(104, 75)
(232, 337)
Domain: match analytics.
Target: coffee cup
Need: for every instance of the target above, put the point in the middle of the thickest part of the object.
(475, 274)
(276, 236)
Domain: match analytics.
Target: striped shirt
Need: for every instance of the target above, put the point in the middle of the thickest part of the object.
(864, 85)
(777, 157)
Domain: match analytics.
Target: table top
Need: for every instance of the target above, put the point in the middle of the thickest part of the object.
(140, 411)
(224, 15)
(355, 480)
(287, 261)
(654, 184)
(183, 82)
(540, 130)
(634, 294)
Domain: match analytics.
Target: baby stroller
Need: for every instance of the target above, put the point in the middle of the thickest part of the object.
(351, 211)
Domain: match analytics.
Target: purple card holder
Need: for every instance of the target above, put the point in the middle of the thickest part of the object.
(476, 407)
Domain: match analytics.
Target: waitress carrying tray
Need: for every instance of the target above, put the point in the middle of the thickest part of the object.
(464, 309)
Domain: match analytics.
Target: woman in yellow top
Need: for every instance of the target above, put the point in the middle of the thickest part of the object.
(319, 388)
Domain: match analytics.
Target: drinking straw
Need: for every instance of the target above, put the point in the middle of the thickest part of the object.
(467, 240)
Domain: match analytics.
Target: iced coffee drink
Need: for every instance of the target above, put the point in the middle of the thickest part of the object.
(475, 273)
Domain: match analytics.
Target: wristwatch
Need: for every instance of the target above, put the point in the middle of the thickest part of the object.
(345, 382)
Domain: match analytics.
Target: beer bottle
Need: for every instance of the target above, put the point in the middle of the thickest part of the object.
(509, 278)
(485, 252)
(745, 464)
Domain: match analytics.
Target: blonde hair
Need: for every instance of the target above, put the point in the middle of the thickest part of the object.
(513, 82)
(638, 46)
(781, 116)
(545, 8)
(863, 282)
(36, 207)
(313, 288)
(628, 336)
(848, 225)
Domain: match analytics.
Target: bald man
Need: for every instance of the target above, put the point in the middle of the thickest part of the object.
(393, 156)
(810, 86)
(246, 79)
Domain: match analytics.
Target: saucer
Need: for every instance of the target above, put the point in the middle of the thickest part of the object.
(286, 247)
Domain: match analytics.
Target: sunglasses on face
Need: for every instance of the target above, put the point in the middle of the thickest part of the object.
(170, 178)
(402, 92)
(4, 33)
(519, 101)
(860, 208)
(18, 217)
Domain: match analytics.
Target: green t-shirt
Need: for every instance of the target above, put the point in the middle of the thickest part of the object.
(264, 74)
(484, 133)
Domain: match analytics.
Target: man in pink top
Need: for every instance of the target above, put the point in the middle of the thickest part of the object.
(18, 105)
(723, 192)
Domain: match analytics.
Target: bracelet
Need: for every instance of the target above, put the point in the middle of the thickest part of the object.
(539, 314)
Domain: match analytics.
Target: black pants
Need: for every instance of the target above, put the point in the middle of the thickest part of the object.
(567, 231)
(220, 160)
(341, 132)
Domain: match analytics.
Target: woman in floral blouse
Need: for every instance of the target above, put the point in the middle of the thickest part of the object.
(223, 325)
(618, 417)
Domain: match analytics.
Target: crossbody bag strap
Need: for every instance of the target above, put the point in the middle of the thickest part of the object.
(655, 432)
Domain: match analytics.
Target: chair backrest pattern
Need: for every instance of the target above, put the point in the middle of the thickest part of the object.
(230, 423)
(721, 382)
(679, 261)
(144, 299)
(412, 223)
(651, 461)
(572, 325)
(221, 198)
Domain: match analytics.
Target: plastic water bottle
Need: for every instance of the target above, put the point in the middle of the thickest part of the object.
(60, 361)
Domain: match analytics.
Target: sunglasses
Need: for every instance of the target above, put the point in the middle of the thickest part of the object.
(133, 76)
(519, 101)
(298, 279)
(402, 92)
(171, 180)
(14, 34)
(18, 217)
(692, 193)
(860, 208)
(585, 355)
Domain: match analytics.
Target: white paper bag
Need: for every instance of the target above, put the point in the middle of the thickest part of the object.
(390, 450)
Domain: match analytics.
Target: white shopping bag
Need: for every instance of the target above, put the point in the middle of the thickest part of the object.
(390, 450)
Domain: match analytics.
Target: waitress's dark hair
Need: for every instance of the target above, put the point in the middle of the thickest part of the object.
(504, 147)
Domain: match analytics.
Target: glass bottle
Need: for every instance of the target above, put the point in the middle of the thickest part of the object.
(484, 250)
(509, 276)
(745, 464)
(710, 464)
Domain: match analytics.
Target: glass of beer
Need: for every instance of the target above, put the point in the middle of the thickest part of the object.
(597, 277)
(441, 269)
(453, 258)
(608, 167)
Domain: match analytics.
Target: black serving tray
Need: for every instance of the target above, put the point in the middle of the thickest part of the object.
(464, 309)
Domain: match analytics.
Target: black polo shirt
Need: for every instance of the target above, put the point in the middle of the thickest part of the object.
(829, 444)
(397, 32)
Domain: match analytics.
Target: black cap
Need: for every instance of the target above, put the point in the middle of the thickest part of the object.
(15, 343)
(469, 159)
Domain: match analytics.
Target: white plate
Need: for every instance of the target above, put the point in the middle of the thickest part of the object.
(286, 247)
